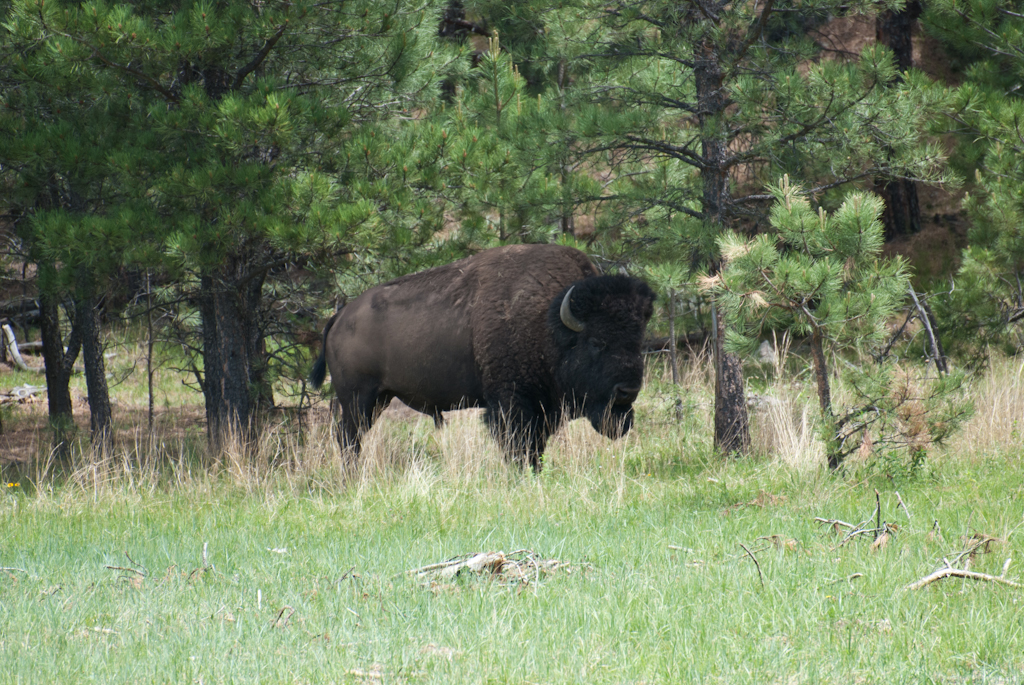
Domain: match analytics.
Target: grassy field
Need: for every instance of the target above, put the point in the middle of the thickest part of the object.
(653, 561)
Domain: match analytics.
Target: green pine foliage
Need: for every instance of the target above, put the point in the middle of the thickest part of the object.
(787, 108)
(59, 127)
(815, 274)
(684, 112)
(223, 142)
(821, 276)
(510, 167)
(986, 305)
(239, 148)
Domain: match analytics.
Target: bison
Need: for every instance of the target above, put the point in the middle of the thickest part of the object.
(532, 333)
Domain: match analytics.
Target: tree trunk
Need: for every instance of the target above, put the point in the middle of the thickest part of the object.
(895, 30)
(732, 425)
(235, 384)
(452, 27)
(59, 365)
(212, 365)
(732, 432)
(924, 313)
(100, 415)
(225, 363)
(902, 214)
(824, 396)
(821, 375)
(672, 336)
(256, 345)
(567, 222)
(149, 347)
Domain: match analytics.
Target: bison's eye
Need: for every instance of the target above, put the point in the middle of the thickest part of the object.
(597, 345)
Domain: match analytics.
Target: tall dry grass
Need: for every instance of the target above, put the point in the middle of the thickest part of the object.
(785, 418)
(674, 425)
(998, 421)
(785, 425)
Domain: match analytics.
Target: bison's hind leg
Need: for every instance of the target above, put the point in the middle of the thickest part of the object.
(359, 410)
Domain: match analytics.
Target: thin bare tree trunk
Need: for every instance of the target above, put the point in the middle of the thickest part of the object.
(925, 314)
(732, 427)
(821, 374)
(672, 351)
(149, 346)
(59, 364)
(732, 430)
(672, 335)
(100, 414)
(824, 392)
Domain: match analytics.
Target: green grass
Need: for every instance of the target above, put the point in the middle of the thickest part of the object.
(631, 607)
(306, 577)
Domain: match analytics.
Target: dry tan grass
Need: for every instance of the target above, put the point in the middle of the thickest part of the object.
(405, 450)
(784, 428)
(998, 420)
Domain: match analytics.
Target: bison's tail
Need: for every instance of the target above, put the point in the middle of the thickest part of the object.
(319, 370)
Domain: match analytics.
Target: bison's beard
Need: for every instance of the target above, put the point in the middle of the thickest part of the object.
(614, 421)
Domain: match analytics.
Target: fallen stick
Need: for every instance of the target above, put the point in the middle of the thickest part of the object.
(520, 566)
(858, 531)
(282, 619)
(960, 573)
(835, 523)
(128, 568)
(454, 561)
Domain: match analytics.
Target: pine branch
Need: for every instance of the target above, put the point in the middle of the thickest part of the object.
(258, 59)
(759, 30)
(96, 54)
(708, 10)
(676, 151)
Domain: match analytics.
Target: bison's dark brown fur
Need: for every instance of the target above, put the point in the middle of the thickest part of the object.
(488, 331)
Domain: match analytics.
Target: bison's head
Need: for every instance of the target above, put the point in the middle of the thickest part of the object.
(597, 326)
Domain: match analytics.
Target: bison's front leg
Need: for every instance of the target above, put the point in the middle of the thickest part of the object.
(521, 431)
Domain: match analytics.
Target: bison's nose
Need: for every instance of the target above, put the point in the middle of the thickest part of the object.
(624, 394)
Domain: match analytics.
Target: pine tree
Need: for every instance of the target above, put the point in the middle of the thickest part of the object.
(510, 166)
(74, 224)
(695, 106)
(821, 276)
(257, 136)
(986, 306)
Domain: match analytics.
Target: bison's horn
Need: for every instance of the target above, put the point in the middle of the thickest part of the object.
(565, 313)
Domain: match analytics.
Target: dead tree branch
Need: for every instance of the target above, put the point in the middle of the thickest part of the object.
(950, 572)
